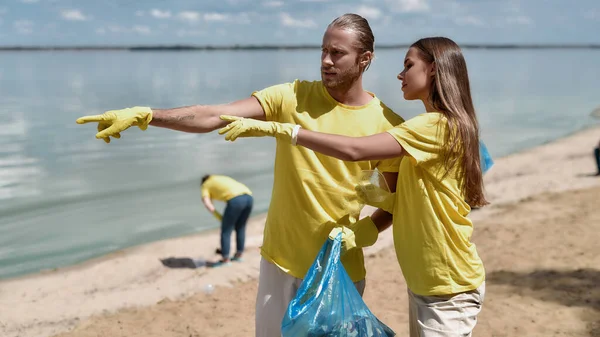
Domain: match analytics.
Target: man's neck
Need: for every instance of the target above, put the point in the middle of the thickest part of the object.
(353, 96)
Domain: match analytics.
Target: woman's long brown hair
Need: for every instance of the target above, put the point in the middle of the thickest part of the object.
(451, 95)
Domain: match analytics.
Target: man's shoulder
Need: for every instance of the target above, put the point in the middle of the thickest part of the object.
(307, 86)
(304, 89)
(389, 115)
(297, 86)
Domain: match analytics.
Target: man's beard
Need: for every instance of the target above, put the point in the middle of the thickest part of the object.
(343, 81)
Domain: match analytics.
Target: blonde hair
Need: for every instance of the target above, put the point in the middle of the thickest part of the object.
(360, 26)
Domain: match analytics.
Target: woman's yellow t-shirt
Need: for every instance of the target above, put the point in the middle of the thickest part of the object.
(432, 231)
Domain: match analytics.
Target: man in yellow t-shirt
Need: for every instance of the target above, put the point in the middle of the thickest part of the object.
(239, 205)
(312, 193)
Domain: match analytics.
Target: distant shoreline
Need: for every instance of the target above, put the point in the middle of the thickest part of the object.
(276, 47)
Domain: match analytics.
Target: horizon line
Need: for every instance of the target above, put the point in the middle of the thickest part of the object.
(187, 47)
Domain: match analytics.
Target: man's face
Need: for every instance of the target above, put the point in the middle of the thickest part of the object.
(339, 59)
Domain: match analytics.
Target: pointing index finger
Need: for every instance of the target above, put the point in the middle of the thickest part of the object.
(88, 119)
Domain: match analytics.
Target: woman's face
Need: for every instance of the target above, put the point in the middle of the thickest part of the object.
(417, 76)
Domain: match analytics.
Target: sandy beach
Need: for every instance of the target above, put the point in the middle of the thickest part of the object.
(538, 241)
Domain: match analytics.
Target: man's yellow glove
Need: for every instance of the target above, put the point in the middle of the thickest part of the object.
(376, 196)
(247, 127)
(217, 215)
(111, 123)
(362, 233)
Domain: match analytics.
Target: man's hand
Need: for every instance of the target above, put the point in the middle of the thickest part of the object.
(362, 233)
(376, 196)
(246, 127)
(111, 123)
(347, 237)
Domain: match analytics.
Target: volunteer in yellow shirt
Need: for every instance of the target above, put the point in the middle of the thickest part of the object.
(311, 192)
(239, 206)
(439, 180)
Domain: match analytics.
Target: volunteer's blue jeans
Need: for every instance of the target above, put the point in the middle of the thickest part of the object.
(597, 154)
(235, 217)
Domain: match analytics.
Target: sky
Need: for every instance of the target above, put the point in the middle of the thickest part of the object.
(292, 22)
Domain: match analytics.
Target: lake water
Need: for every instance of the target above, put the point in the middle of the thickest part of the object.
(66, 197)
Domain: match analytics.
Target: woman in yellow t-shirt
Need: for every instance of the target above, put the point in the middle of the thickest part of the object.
(439, 180)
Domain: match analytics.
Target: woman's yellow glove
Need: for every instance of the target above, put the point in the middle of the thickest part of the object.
(248, 127)
(112, 122)
(362, 233)
(376, 196)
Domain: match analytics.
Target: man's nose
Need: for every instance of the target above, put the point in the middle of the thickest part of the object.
(326, 60)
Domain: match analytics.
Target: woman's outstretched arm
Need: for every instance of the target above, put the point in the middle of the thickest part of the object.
(378, 146)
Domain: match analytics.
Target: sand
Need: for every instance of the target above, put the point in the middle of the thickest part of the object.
(538, 241)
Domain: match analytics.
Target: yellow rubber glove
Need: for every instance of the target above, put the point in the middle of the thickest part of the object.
(348, 238)
(362, 233)
(112, 122)
(217, 215)
(247, 127)
(376, 196)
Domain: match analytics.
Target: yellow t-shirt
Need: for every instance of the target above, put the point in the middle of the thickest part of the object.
(432, 232)
(311, 191)
(223, 188)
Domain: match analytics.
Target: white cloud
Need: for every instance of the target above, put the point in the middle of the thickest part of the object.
(216, 17)
(3, 10)
(371, 13)
(187, 32)
(157, 13)
(144, 30)
(117, 29)
(24, 27)
(29, 1)
(241, 18)
(189, 16)
(272, 3)
(139, 13)
(288, 21)
(408, 6)
(469, 20)
(519, 20)
(73, 15)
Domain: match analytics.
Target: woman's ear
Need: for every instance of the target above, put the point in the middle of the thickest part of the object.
(433, 69)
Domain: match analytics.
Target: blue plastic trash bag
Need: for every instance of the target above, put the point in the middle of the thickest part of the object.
(486, 159)
(327, 303)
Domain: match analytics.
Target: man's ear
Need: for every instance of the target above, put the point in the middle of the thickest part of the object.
(365, 58)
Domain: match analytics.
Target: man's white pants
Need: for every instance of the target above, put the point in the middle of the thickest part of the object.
(276, 289)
